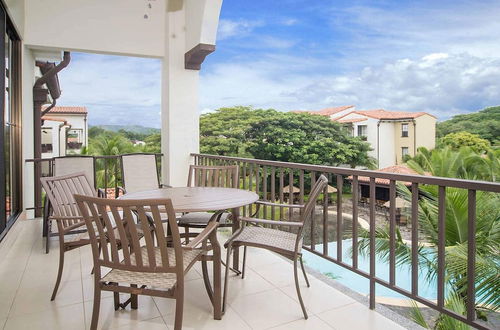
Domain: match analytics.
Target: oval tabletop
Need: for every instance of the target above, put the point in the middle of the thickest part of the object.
(199, 199)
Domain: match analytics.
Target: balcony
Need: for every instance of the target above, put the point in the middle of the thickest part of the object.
(28, 276)
(343, 220)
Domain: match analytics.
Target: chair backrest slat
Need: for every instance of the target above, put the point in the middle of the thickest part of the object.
(132, 220)
(139, 172)
(213, 176)
(60, 191)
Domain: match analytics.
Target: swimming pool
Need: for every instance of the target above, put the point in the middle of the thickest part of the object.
(359, 283)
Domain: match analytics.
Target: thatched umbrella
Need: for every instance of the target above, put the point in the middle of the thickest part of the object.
(331, 190)
(400, 203)
(295, 190)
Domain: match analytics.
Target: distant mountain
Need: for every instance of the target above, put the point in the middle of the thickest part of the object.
(485, 123)
(130, 128)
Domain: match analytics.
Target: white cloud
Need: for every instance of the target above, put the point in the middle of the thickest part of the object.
(116, 90)
(384, 34)
(442, 85)
(236, 28)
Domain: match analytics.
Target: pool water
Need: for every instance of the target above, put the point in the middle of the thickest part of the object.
(359, 283)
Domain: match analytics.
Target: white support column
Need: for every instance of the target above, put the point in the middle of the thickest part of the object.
(186, 26)
(180, 114)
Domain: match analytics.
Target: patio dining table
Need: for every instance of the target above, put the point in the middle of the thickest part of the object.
(203, 199)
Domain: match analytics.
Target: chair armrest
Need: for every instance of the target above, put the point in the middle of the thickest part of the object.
(271, 222)
(297, 206)
(80, 222)
(201, 237)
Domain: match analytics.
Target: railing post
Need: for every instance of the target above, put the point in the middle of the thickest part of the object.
(372, 243)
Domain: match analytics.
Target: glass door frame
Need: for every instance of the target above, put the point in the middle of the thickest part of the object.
(9, 34)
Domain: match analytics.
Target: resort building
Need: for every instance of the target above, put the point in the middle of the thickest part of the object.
(391, 134)
(64, 131)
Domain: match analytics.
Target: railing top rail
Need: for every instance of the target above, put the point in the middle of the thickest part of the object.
(32, 160)
(432, 180)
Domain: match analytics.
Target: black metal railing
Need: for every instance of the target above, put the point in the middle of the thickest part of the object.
(269, 179)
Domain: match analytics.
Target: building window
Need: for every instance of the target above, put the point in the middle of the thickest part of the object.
(404, 152)
(404, 130)
(362, 131)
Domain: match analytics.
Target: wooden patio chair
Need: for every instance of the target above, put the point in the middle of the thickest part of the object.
(64, 166)
(139, 172)
(70, 225)
(208, 176)
(71, 228)
(155, 266)
(288, 244)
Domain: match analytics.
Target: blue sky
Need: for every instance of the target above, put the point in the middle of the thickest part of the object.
(436, 56)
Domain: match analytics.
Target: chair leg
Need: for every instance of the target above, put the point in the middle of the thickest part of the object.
(304, 272)
(179, 306)
(47, 238)
(217, 277)
(244, 261)
(206, 280)
(186, 232)
(95, 308)
(134, 302)
(297, 287)
(226, 278)
(59, 272)
(116, 298)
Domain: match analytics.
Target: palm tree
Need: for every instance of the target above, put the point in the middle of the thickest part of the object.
(463, 163)
(108, 145)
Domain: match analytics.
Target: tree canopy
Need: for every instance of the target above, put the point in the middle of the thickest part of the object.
(485, 123)
(465, 139)
(281, 136)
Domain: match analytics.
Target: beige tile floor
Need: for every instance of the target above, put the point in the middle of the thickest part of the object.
(265, 299)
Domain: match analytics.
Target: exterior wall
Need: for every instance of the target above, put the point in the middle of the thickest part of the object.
(426, 131)
(111, 26)
(404, 142)
(386, 143)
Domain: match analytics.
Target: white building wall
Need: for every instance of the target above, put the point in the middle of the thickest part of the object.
(28, 77)
(15, 9)
(387, 144)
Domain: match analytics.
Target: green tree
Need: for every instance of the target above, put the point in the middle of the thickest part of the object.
(223, 131)
(465, 139)
(302, 138)
(153, 143)
(485, 123)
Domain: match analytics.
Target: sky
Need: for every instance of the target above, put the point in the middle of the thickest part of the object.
(442, 57)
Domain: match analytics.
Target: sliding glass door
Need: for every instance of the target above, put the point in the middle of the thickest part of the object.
(10, 131)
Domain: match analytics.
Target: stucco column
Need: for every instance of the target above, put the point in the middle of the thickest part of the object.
(179, 109)
(190, 29)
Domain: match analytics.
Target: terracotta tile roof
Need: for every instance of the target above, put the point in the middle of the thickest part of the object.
(54, 119)
(384, 114)
(326, 111)
(398, 169)
(66, 110)
(352, 120)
